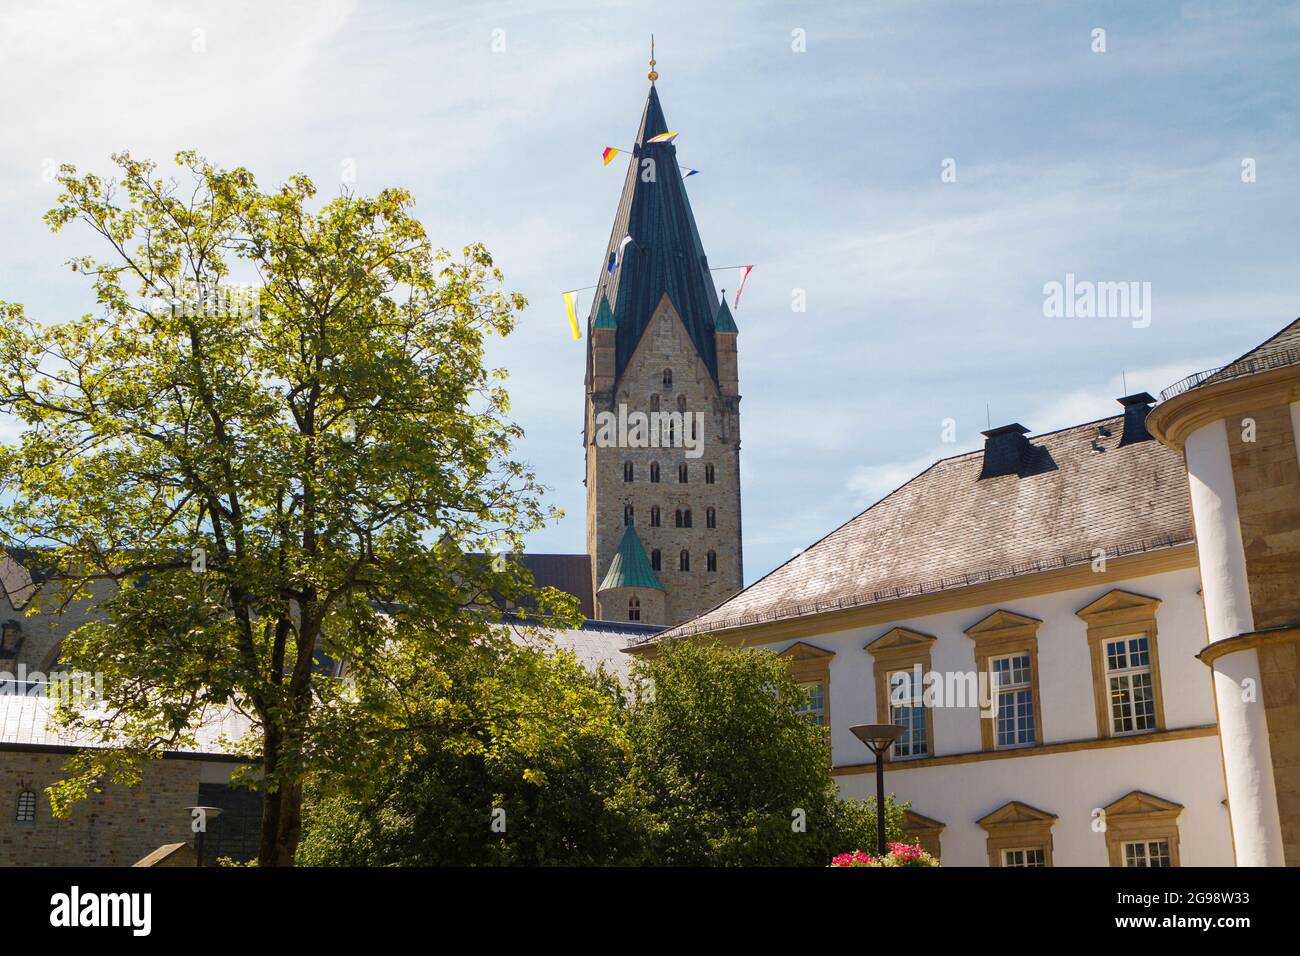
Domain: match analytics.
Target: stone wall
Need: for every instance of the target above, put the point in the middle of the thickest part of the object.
(115, 828)
(667, 345)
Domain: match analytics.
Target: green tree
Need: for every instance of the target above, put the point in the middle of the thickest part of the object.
(516, 761)
(257, 479)
(726, 770)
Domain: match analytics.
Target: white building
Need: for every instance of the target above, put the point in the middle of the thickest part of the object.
(1062, 574)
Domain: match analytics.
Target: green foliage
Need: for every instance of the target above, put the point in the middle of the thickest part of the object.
(244, 481)
(509, 735)
(709, 763)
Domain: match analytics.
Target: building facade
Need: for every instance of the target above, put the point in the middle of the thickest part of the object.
(1038, 618)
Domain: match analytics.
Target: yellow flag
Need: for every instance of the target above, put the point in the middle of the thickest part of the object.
(569, 300)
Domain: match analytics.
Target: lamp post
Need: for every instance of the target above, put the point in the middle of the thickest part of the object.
(199, 817)
(879, 738)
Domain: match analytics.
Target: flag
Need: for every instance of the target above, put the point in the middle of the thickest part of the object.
(617, 256)
(742, 286)
(687, 172)
(662, 138)
(570, 300)
(609, 153)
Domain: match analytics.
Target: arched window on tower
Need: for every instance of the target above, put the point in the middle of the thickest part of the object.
(682, 474)
(686, 518)
(681, 403)
(656, 560)
(668, 378)
(26, 807)
(654, 402)
(710, 518)
(634, 608)
(711, 561)
(684, 560)
(677, 518)
(627, 515)
(627, 471)
(654, 472)
(708, 474)
(655, 517)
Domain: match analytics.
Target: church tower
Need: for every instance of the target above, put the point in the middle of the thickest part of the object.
(662, 429)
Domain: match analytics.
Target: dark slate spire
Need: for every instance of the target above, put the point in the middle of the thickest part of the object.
(665, 255)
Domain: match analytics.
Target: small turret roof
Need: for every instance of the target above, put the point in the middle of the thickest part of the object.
(630, 568)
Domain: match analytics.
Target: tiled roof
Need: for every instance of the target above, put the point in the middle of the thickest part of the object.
(26, 721)
(947, 529)
(630, 568)
(570, 573)
(1281, 349)
(665, 255)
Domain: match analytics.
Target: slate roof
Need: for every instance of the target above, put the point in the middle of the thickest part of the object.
(630, 568)
(947, 529)
(595, 644)
(25, 722)
(1281, 349)
(570, 573)
(665, 256)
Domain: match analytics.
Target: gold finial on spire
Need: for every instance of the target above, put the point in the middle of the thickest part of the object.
(652, 75)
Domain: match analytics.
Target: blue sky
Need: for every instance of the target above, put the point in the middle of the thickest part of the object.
(822, 167)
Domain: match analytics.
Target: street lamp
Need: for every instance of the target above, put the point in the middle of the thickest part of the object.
(879, 738)
(199, 817)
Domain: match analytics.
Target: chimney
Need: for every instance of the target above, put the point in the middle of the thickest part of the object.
(1136, 408)
(1006, 451)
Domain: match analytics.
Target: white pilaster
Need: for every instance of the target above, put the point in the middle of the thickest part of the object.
(1238, 691)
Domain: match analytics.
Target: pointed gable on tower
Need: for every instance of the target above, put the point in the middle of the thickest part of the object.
(665, 256)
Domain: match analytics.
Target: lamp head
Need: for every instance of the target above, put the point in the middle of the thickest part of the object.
(877, 737)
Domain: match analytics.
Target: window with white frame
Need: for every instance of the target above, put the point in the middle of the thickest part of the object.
(814, 706)
(26, 807)
(1012, 683)
(1024, 856)
(1128, 679)
(907, 709)
(1147, 853)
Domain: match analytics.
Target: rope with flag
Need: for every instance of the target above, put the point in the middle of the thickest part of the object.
(609, 153)
(743, 279)
(570, 303)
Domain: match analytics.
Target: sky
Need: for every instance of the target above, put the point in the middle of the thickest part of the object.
(907, 179)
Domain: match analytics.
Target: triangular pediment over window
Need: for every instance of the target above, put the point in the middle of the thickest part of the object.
(1116, 604)
(1002, 623)
(1139, 803)
(799, 651)
(900, 638)
(1015, 812)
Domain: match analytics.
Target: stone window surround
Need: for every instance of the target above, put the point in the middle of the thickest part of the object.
(809, 664)
(1141, 816)
(1117, 614)
(1017, 825)
(901, 649)
(1000, 634)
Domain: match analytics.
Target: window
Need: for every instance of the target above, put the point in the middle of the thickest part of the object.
(902, 659)
(668, 378)
(684, 560)
(634, 608)
(1128, 676)
(686, 518)
(711, 561)
(708, 474)
(814, 706)
(1024, 856)
(907, 709)
(654, 516)
(654, 403)
(627, 471)
(26, 807)
(682, 474)
(1147, 853)
(1019, 835)
(1125, 663)
(1006, 655)
(710, 518)
(654, 472)
(681, 403)
(627, 515)
(656, 560)
(1015, 700)
(1142, 830)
